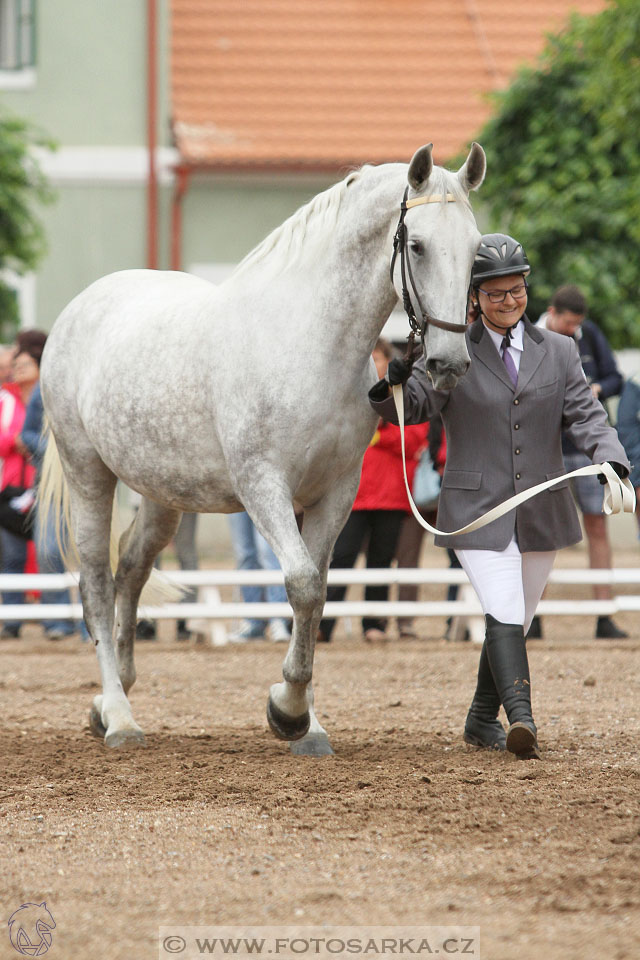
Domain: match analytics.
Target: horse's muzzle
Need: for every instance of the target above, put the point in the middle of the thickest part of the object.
(445, 376)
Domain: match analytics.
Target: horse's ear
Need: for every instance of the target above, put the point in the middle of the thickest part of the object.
(471, 173)
(420, 167)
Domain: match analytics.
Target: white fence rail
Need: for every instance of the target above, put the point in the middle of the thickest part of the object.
(207, 614)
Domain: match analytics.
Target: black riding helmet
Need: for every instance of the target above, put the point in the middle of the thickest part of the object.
(498, 256)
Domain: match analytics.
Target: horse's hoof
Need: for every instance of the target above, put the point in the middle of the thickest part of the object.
(95, 723)
(284, 727)
(133, 737)
(313, 745)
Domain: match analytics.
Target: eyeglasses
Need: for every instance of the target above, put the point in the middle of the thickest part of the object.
(518, 292)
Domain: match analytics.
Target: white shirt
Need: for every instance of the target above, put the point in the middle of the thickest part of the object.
(516, 344)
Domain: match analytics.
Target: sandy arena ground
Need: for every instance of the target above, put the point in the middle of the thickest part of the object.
(215, 822)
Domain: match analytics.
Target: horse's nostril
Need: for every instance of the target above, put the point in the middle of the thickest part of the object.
(440, 368)
(445, 376)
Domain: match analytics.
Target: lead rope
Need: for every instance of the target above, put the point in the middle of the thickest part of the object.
(619, 495)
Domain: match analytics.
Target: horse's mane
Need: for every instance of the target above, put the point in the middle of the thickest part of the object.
(314, 222)
(284, 244)
(444, 181)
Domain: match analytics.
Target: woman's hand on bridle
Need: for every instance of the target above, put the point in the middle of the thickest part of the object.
(398, 372)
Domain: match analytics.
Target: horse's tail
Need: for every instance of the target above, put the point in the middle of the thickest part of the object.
(53, 501)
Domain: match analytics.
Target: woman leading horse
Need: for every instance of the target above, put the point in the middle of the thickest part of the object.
(504, 422)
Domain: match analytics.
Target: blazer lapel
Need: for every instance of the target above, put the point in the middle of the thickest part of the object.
(533, 354)
(485, 351)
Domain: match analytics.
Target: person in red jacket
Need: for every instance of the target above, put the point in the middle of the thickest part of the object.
(17, 471)
(380, 506)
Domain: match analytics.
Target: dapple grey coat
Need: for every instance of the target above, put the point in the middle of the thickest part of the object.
(502, 440)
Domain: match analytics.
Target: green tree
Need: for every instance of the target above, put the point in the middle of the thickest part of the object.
(22, 187)
(563, 157)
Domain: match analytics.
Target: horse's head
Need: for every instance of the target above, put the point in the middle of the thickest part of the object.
(436, 242)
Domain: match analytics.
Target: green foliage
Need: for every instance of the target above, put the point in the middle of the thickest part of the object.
(563, 162)
(22, 186)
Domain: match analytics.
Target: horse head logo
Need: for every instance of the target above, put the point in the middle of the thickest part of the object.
(30, 929)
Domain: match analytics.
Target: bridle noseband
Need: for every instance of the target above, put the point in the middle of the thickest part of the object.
(400, 246)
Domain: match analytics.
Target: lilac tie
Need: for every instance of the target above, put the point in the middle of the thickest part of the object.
(508, 362)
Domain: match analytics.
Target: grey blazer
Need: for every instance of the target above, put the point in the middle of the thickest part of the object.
(502, 440)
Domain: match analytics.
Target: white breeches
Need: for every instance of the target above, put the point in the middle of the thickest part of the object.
(508, 583)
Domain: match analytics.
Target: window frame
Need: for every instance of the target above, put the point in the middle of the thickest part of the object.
(18, 52)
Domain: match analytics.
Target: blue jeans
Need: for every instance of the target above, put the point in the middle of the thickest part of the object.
(252, 552)
(587, 491)
(50, 561)
(14, 557)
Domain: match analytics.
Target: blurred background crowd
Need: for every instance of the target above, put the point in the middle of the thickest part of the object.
(381, 526)
(179, 133)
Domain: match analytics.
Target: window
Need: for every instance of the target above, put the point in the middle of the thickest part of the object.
(17, 34)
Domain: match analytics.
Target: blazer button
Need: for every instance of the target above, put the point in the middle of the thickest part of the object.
(517, 476)
(516, 426)
(516, 402)
(517, 449)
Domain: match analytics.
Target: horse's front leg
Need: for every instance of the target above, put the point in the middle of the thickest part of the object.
(269, 505)
(289, 706)
(322, 525)
(304, 561)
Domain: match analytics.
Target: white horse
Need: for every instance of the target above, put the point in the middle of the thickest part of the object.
(251, 395)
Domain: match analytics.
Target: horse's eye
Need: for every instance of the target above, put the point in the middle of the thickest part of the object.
(416, 248)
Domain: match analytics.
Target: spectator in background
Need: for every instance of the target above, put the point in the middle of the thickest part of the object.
(6, 363)
(568, 315)
(184, 544)
(411, 535)
(628, 427)
(32, 441)
(16, 469)
(252, 552)
(379, 509)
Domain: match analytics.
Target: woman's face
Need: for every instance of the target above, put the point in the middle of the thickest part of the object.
(25, 370)
(500, 316)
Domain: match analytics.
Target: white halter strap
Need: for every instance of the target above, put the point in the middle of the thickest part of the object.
(619, 495)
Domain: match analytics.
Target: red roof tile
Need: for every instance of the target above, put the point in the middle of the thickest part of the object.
(322, 84)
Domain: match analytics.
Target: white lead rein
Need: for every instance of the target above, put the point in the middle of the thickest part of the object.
(619, 494)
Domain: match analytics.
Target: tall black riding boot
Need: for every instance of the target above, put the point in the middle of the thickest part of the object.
(482, 727)
(507, 653)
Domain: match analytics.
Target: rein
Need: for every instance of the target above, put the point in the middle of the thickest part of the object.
(400, 247)
(619, 494)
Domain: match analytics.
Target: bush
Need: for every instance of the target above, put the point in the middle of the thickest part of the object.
(564, 167)
(22, 185)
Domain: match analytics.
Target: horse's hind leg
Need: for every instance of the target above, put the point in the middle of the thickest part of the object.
(91, 490)
(152, 529)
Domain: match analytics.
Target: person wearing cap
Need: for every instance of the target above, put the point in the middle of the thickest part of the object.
(504, 422)
(567, 314)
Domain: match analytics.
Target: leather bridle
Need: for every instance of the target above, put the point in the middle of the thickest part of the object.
(400, 246)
